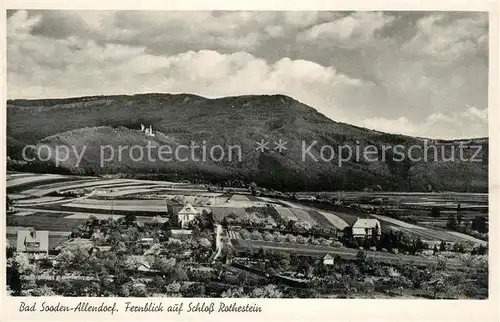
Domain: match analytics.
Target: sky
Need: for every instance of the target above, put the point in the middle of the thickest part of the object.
(416, 73)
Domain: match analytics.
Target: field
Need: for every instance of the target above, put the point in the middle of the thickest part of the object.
(146, 199)
(316, 216)
(349, 216)
(19, 181)
(426, 233)
(42, 222)
(319, 251)
(286, 214)
(21, 188)
(404, 197)
(303, 215)
(41, 191)
(54, 238)
(121, 205)
(39, 200)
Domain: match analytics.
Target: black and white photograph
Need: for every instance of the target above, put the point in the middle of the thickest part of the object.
(246, 154)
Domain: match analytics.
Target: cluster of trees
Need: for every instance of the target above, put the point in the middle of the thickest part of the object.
(44, 167)
(478, 227)
(389, 240)
(268, 291)
(125, 230)
(250, 219)
(480, 224)
(363, 276)
(277, 236)
(272, 220)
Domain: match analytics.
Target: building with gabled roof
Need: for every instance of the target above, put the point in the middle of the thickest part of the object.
(364, 227)
(33, 241)
(187, 214)
(328, 259)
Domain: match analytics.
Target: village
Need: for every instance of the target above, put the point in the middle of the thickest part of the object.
(140, 238)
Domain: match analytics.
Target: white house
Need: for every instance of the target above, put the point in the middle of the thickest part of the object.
(364, 227)
(32, 241)
(187, 214)
(328, 260)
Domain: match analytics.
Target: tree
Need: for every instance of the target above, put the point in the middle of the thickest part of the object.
(386, 241)
(16, 283)
(164, 265)
(418, 245)
(255, 235)
(441, 263)
(268, 291)
(268, 236)
(459, 216)
(130, 219)
(301, 239)
(442, 246)
(253, 188)
(438, 285)
(480, 224)
(458, 248)
(237, 292)
(361, 256)
(452, 222)
(179, 274)
(291, 238)
(8, 203)
(21, 262)
(482, 250)
(376, 233)
(43, 291)
(204, 243)
(368, 285)
(173, 289)
(435, 212)
(347, 237)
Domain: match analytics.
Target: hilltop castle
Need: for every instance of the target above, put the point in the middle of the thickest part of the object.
(147, 130)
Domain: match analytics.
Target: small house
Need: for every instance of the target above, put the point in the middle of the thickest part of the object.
(33, 241)
(146, 241)
(365, 227)
(187, 214)
(328, 259)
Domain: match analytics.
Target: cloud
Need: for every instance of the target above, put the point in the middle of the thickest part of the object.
(384, 70)
(349, 31)
(401, 125)
(471, 122)
(171, 32)
(450, 40)
(117, 68)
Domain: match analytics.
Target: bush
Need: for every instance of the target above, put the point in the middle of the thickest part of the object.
(301, 239)
(268, 236)
(245, 234)
(291, 238)
(336, 244)
(255, 235)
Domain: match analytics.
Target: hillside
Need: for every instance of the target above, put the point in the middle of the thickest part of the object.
(244, 120)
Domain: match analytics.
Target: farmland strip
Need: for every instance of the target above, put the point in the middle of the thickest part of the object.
(286, 214)
(320, 219)
(334, 220)
(303, 215)
(24, 180)
(144, 208)
(397, 222)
